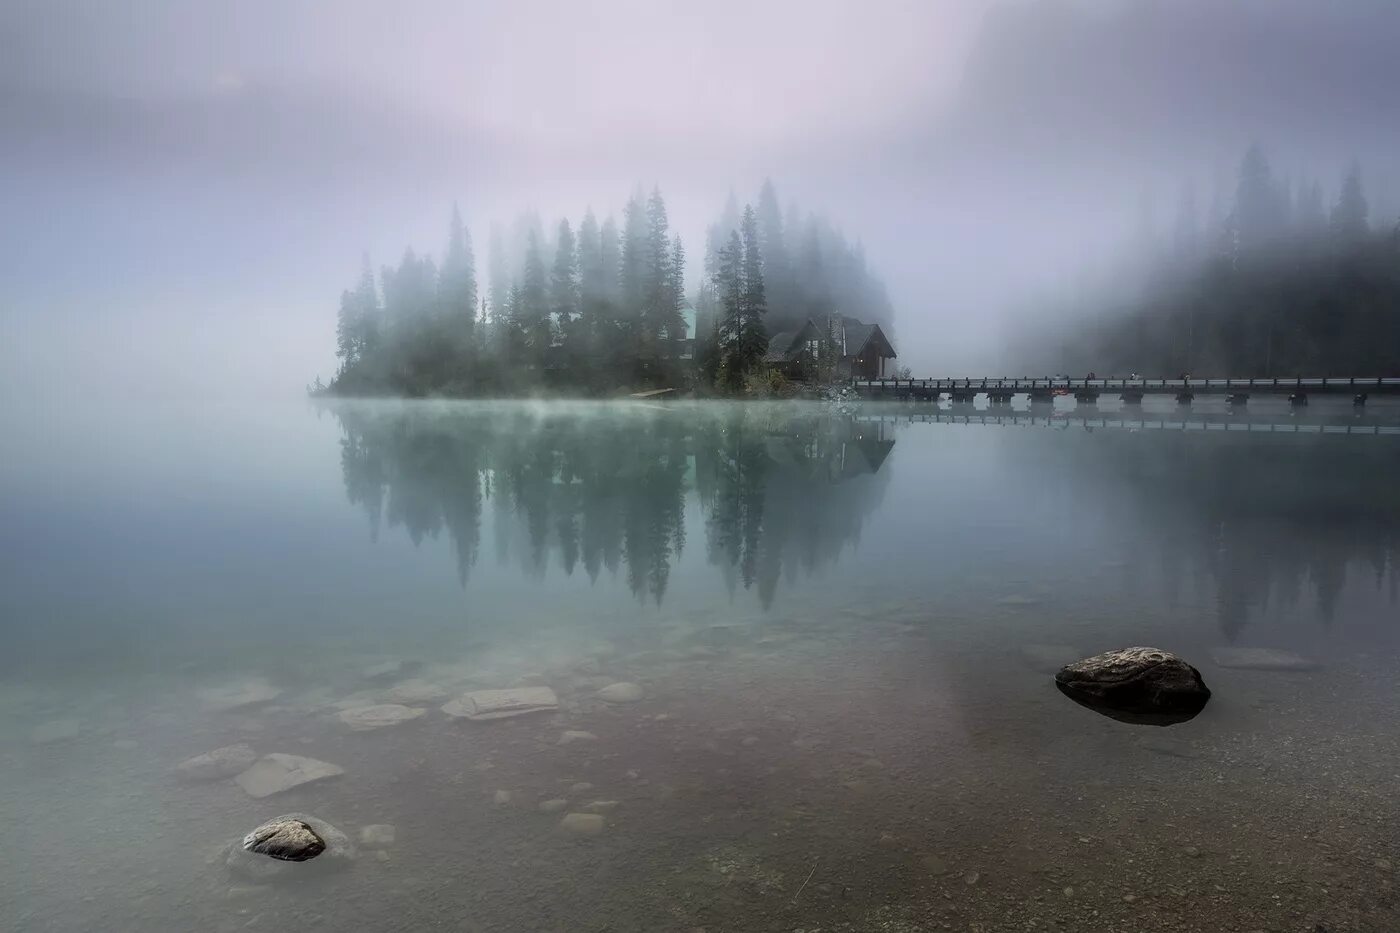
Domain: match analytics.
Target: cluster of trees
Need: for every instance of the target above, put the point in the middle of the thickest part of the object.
(600, 306)
(601, 492)
(1278, 284)
(593, 308)
(778, 268)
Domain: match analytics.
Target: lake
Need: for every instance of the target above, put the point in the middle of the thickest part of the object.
(836, 628)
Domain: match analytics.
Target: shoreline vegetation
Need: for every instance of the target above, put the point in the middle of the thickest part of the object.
(602, 310)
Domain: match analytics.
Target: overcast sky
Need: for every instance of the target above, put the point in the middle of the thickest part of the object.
(199, 179)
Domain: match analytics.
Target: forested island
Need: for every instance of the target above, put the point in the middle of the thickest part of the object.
(603, 307)
(1278, 280)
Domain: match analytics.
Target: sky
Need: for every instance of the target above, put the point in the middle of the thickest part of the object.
(194, 183)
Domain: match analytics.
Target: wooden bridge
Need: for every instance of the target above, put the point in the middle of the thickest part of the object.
(1129, 391)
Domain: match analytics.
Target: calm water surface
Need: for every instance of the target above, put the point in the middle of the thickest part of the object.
(843, 624)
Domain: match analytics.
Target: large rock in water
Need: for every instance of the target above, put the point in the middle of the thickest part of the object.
(1140, 685)
(286, 848)
(274, 773)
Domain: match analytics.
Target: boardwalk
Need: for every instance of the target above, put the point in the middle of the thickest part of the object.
(1130, 391)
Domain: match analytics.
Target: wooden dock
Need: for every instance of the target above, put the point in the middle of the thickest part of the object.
(1129, 391)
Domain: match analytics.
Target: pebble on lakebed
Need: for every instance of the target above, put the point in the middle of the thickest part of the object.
(1139, 685)
(289, 846)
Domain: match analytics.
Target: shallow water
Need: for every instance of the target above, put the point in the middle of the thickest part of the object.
(844, 624)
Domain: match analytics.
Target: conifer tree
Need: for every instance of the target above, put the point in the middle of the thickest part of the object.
(564, 287)
(457, 285)
(1351, 215)
(533, 307)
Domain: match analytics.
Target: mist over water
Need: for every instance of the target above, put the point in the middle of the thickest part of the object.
(662, 662)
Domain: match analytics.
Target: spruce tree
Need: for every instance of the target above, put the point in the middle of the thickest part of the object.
(753, 340)
(1351, 215)
(457, 285)
(777, 265)
(533, 308)
(564, 288)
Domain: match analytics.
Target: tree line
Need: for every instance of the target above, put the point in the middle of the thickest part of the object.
(600, 306)
(1278, 282)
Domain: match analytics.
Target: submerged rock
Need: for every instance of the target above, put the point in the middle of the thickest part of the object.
(501, 704)
(389, 670)
(416, 691)
(582, 824)
(239, 695)
(1140, 685)
(573, 735)
(223, 762)
(275, 773)
(621, 693)
(1263, 659)
(366, 718)
(286, 847)
(377, 836)
(553, 806)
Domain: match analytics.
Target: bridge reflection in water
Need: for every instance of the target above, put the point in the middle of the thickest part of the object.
(1130, 391)
(1065, 421)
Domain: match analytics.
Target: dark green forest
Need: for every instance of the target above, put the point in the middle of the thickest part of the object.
(600, 307)
(1283, 283)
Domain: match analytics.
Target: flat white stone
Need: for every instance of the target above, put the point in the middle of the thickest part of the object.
(416, 691)
(582, 824)
(621, 693)
(275, 773)
(500, 704)
(377, 836)
(239, 695)
(377, 717)
(1263, 659)
(223, 762)
(572, 736)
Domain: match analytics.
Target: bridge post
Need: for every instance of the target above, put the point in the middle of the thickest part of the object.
(1130, 397)
(1237, 398)
(1298, 399)
(1185, 397)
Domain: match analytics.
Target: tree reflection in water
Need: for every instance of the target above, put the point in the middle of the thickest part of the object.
(781, 489)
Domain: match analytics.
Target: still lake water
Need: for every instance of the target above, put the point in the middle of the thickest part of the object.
(843, 623)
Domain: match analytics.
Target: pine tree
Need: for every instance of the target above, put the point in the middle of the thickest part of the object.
(753, 341)
(457, 285)
(729, 291)
(659, 308)
(632, 274)
(533, 313)
(564, 287)
(590, 282)
(500, 279)
(1257, 218)
(676, 295)
(347, 330)
(1351, 215)
(777, 265)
